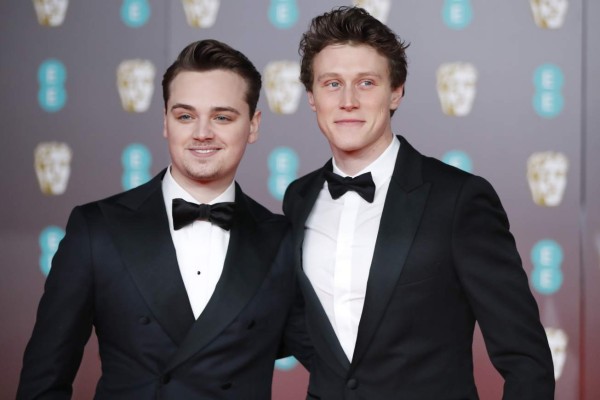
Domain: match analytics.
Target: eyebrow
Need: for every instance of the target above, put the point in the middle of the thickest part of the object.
(328, 75)
(213, 109)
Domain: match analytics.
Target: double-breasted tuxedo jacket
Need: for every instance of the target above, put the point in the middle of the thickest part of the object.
(116, 270)
(444, 259)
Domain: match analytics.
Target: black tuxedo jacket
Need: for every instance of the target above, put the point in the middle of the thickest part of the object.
(116, 270)
(444, 259)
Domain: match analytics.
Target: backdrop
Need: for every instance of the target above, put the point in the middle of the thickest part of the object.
(508, 90)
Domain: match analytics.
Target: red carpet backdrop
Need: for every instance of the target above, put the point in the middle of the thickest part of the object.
(509, 90)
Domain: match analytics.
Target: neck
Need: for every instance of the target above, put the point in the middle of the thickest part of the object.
(352, 162)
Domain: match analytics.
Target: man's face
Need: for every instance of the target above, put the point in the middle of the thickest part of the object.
(352, 97)
(207, 125)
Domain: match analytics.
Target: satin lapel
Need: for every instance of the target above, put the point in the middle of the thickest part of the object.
(403, 207)
(140, 229)
(251, 251)
(326, 341)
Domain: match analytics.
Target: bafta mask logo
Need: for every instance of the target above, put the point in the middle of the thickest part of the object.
(52, 167)
(558, 341)
(201, 13)
(51, 12)
(380, 9)
(135, 82)
(549, 14)
(456, 87)
(547, 177)
(283, 86)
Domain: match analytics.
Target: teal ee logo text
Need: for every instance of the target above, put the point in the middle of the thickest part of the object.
(135, 13)
(457, 14)
(547, 258)
(548, 81)
(283, 165)
(52, 95)
(136, 160)
(283, 14)
(286, 364)
(49, 239)
(458, 159)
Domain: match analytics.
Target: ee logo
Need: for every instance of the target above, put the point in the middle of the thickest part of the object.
(136, 160)
(283, 165)
(52, 95)
(547, 258)
(49, 239)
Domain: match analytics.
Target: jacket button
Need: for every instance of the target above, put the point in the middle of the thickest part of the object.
(226, 386)
(165, 379)
(144, 320)
(352, 384)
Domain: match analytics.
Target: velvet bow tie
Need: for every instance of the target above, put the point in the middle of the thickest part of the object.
(184, 213)
(362, 184)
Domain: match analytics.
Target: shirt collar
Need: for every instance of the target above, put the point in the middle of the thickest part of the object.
(382, 167)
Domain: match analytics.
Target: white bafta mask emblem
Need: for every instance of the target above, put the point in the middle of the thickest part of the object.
(283, 86)
(201, 13)
(547, 177)
(456, 87)
(52, 162)
(549, 14)
(558, 341)
(135, 81)
(51, 12)
(379, 9)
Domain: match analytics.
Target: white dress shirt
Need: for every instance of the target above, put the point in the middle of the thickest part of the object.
(339, 241)
(200, 246)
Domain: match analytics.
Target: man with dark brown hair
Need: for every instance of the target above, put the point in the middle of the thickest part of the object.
(185, 279)
(400, 253)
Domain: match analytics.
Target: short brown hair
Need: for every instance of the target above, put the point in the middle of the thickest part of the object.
(351, 25)
(208, 55)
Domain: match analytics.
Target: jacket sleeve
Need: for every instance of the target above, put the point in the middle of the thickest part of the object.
(491, 272)
(64, 318)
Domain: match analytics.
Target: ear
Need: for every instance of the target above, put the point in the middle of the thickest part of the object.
(165, 124)
(254, 125)
(311, 101)
(396, 97)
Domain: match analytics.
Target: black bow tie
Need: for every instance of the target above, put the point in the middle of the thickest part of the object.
(362, 184)
(184, 213)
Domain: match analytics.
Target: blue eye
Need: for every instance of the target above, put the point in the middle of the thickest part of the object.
(184, 117)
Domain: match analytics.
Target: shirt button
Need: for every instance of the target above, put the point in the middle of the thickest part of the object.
(352, 384)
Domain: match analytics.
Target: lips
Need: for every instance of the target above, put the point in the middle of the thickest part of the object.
(349, 121)
(204, 151)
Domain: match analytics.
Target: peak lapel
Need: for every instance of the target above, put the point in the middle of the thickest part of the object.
(327, 341)
(404, 205)
(139, 226)
(252, 247)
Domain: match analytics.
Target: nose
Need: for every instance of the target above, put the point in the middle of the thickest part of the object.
(203, 130)
(349, 100)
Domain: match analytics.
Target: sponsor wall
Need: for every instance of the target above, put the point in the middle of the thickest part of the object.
(507, 90)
